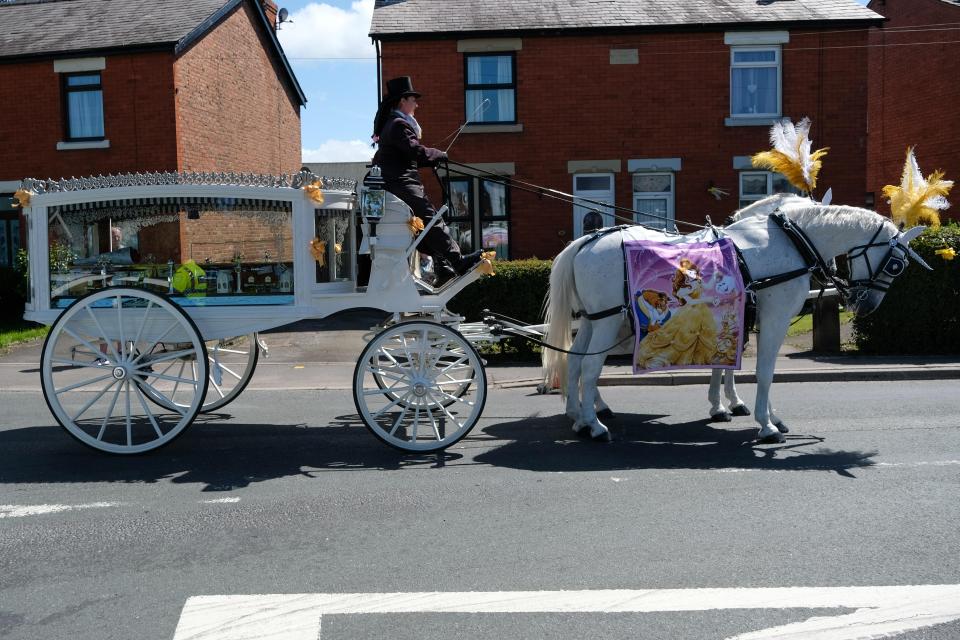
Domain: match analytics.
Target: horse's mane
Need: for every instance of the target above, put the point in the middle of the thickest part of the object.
(805, 211)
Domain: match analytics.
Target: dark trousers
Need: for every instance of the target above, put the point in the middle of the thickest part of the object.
(437, 242)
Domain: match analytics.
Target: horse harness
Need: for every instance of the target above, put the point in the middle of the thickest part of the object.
(893, 264)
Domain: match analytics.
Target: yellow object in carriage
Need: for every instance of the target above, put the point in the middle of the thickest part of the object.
(189, 279)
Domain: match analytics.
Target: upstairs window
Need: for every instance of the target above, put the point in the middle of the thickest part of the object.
(755, 81)
(491, 77)
(83, 106)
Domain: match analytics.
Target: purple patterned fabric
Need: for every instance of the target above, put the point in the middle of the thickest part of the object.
(688, 303)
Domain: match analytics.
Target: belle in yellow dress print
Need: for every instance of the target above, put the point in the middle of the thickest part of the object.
(690, 336)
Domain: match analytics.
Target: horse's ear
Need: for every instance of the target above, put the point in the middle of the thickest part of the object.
(910, 234)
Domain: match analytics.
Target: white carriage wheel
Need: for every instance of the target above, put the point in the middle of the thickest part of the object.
(95, 367)
(231, 363)
(455, 373)
(419, 410)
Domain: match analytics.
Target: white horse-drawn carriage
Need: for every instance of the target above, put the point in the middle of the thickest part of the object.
(145, 338)
(156, 285)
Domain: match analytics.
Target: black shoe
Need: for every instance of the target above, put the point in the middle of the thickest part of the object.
(467, 262)
(444, 274)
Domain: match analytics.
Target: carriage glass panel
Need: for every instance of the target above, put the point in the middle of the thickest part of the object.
(461, 213)
(490, 77)
(201, 251)
(333, 245)
(495, 218)
(755, 81)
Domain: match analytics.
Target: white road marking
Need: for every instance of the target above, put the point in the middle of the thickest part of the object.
(220, 500)
(22, 510)
(880, 611)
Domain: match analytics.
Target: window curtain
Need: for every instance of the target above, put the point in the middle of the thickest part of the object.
(86, 114)
(490, 70)
(754, 90)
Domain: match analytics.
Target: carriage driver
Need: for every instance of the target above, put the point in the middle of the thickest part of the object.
(400, 154)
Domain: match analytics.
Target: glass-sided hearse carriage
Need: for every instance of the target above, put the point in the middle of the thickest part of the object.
(155, 286)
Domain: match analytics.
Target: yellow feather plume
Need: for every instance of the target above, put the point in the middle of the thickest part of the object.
(918, 200)
(415, 224)
(791, 154)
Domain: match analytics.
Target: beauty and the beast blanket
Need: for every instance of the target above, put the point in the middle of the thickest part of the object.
(688, 303)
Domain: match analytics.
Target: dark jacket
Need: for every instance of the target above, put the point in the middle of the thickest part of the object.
(400, 153)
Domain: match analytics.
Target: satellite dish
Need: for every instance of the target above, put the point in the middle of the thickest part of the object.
(283, 14)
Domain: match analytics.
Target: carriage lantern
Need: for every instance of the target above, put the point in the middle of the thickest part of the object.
(372, 195)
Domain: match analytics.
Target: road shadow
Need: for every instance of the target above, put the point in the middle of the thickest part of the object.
(643, 441)
(216, 452)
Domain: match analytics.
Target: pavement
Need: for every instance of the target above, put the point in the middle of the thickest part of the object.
(322, 354)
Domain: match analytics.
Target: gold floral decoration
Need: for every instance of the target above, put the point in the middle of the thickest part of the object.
(21, 198)
(318, 249)
(486, 263)
(415, 224)
(314, 191)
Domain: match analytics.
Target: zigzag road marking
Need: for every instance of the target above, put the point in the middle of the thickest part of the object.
(879, 611)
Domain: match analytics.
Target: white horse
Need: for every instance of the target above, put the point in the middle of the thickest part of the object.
(587, 277)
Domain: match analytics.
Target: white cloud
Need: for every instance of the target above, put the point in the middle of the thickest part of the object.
(339, 151)
(324, 31)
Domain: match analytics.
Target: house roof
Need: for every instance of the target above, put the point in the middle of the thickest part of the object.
(45, 28)
(434, 17)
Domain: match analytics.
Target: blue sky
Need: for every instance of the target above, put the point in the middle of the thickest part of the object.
(328, 46)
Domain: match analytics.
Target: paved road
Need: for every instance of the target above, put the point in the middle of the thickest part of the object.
(290, 495)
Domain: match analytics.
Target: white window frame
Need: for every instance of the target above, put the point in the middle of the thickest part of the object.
(670, 223)
(581, 210)
(745, 200)
(777, 63)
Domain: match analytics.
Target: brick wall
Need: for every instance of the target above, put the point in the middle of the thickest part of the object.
(234, 113)
(138, 117)
(575, 105)
(914, 93)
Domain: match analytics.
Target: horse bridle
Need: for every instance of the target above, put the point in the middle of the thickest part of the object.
(893, 263)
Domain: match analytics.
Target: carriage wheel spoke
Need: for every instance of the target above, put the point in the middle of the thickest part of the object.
(169, 404)
(167, 355)
(392, 404)
(84, 341)
(106, 418)
(146, 409)
(103, 335)
(94, 399)
(143, 321)
(176, 379)
(129, 417)
(123, 343)
(399, 419)
(378, 391)
(163, 335)
(83, 384)
(448, 414)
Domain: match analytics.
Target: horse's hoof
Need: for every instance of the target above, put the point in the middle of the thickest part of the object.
(740, 410)
(583, 431)
(606, 413)
(602, 437)
(782, 428)
(773, 438)
(720, 417)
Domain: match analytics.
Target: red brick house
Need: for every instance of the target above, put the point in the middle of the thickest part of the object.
(646, 105)
(114, 86)
(914, 93)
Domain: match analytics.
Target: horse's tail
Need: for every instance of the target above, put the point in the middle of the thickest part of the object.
(559, 305)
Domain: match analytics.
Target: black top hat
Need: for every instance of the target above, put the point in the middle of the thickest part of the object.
(400, 88)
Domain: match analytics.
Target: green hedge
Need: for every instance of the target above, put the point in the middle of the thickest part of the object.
(517, 291)
(921, 312)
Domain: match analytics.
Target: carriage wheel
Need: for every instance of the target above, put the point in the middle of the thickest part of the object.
(231, 363)
(456, 373)
(99, 361)
(424, 365)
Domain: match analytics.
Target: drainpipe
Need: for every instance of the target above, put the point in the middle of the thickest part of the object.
(376, 44)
